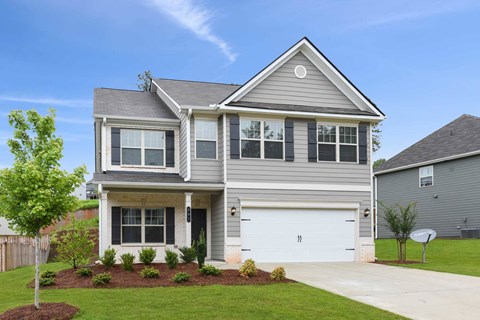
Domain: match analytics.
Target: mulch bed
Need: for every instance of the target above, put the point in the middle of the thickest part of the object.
(397, 262)
(47, 311)
(124, 279)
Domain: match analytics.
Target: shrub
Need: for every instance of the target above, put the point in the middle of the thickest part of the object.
(150, 272)
(209, 270)
(75, 244)
(248, 269)
(45, 282)
(108, 259)
(201, 249)
(101, 279)
(84, 272)
(48, 274)
(181, 277)
(171, 258)
(147, 255)
(188, 254)
(278, 274)
(127, 260)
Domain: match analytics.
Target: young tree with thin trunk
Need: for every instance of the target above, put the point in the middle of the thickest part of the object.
(35, 192)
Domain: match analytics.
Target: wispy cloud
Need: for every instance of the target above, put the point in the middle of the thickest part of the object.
(195, 18)
(71, 103)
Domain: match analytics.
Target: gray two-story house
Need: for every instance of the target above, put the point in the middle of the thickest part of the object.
(441, 174)
(278, 169)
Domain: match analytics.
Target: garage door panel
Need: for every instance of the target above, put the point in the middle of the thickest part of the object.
(297, 235)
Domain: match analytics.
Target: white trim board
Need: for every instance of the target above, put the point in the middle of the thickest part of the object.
(300, 186)
(258, 203)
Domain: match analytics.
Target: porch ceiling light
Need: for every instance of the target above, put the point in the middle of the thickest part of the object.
(233, 210)
(366, 212)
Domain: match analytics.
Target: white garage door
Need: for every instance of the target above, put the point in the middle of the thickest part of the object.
(297, 235)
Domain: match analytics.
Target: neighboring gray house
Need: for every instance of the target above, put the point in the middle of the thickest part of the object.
(80, 192)
(441, 173)
(4, 229)
(277, 169)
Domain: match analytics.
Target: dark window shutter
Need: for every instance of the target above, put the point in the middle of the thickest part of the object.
(362, 144)
(289, 146)
(312, 142)
(234, 137)
(116, 225)
(115, 146)
(170, 221)
(170, 148)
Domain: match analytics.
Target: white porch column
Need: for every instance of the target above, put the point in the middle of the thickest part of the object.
(102, 220)
(188, 221)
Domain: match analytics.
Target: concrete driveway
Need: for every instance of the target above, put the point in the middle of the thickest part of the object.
(415, 294)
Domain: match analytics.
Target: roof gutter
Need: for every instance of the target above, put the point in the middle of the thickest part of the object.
(424, 163)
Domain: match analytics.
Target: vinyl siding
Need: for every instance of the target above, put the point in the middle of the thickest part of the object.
(283, 87)
(207, 169)
(235, 195)
(183, 157)
(300, 170)
(218, 226)
(455, 182)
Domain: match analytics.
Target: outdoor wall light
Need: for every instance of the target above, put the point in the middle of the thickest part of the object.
(366, 212)
(233, 210)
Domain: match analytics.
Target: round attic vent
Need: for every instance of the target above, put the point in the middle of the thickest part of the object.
(300, 72)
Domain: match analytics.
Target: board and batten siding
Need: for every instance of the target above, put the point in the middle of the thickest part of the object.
(218, 226)
(300, 170)
(234, 197)
(207, 169)
(456, 183)
(283, 87)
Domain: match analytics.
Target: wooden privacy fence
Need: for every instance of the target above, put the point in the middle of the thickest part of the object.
(19, 251)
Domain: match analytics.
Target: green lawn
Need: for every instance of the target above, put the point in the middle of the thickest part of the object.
(277, 301)
(87, 204)
(445, 255)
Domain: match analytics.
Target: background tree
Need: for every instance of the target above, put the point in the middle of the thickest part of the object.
(378, 163)
(400, 221)
(144, 82)
(35, 192)
(376, 136)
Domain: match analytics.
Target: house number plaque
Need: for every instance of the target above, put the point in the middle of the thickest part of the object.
(188, 214)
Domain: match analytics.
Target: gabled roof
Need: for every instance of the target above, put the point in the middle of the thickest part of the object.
(459, 138)
(195, 93)
(322, 63)
(129, 103)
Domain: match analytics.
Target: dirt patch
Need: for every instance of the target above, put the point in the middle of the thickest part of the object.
(48, 311)
(124, 279)
(397, 262)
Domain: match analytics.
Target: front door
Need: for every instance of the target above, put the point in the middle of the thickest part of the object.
(199, 222)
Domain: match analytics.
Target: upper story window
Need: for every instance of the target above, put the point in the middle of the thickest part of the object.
(143, 225)
(143, 147)
(206, 139)
(262, 139)
(337, 143)
(426, 176)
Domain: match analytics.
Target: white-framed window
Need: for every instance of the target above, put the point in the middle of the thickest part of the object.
(143, 225)
(337, 143)
(205, 139)
(262, 139)
(425, 176)
(142, 147)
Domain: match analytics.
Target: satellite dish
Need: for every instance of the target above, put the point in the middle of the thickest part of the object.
(424, 236)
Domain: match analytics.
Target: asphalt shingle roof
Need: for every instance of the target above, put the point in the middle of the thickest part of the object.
(458, 137)
(130, 103)
(195, 93)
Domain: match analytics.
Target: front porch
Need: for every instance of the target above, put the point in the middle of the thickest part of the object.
(133, 219)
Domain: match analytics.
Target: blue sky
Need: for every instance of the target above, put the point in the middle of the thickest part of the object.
(417, 60)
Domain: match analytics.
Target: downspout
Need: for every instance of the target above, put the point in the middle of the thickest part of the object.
(189, 161)
(375, 186)
(103, 142)
(100, 219)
